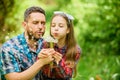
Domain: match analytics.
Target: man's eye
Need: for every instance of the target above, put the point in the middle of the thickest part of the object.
(43, 23)
(35, 22)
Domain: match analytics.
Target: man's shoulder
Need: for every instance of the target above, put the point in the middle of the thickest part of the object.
(11, 42)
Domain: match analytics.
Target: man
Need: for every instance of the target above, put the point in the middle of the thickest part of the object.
(18, 56)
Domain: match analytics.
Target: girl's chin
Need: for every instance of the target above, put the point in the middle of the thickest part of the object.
(56, 37)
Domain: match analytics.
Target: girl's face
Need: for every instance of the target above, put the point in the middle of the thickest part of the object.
(59, 28)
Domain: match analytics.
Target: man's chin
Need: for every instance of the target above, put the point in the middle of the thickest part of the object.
(38, 37)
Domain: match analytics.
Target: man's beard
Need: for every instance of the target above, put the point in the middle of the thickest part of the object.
(31, 36)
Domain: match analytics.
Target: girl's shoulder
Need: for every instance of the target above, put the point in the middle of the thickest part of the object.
(78, 52)
(78, 48)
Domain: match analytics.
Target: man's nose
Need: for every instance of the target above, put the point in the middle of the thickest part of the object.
(40, 25)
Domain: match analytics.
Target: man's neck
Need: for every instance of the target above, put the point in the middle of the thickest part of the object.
(32, 43)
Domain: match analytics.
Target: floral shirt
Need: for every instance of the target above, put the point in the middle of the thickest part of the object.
(15, 56)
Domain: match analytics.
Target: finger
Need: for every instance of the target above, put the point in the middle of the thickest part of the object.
(42, 56)
(51, 58)
(51, 51)
(47, 60)
(58, 57)
(57, 53)
(69, 66)
(42, 51)
(46, 51)
(67, 62)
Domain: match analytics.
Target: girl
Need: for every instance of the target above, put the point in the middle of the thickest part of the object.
(61, 28)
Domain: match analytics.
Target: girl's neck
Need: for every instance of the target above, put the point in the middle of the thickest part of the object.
(61, 43)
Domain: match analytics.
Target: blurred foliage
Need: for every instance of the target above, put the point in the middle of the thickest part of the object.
(5, 7)
(104, 27)
(97, 30)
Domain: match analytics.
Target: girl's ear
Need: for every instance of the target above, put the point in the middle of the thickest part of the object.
(68, 30)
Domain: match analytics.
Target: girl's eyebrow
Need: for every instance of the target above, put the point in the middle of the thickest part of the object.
(52, 23)
(62, 23)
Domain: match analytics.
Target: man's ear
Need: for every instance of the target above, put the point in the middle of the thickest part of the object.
(24, 24)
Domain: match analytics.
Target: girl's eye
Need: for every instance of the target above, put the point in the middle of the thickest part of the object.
(53, 25)
(61, 25)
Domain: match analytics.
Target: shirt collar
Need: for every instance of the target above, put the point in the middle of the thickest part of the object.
(24, 42)
(61, 50)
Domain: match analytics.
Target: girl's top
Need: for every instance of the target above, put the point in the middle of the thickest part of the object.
(59, 71)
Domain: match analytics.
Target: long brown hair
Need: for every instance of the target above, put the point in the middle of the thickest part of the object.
(70, 41)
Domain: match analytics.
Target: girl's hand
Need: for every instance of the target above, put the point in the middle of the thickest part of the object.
(57, 56)
(70, 64)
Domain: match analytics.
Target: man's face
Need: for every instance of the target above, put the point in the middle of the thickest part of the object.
(35, 25)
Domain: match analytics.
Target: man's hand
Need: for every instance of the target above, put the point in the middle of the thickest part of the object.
(47, 53)
(44, 53)
(46, 56)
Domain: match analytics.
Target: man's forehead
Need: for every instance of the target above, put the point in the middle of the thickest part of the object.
(37, 17)
(36, 14)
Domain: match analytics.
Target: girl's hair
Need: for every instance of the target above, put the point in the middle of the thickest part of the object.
(70, 38)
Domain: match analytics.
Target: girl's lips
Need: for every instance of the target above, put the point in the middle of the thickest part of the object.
(55, 33)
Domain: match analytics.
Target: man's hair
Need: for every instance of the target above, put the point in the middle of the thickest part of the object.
(31, 10)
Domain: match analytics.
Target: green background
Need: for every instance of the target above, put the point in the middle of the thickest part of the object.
(96, 25)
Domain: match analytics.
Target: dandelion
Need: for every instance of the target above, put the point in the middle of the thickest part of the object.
(50, 40)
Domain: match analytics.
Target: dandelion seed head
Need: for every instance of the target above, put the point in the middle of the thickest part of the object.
(51, 39)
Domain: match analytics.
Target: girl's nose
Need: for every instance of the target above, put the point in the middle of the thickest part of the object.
(56, 27)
